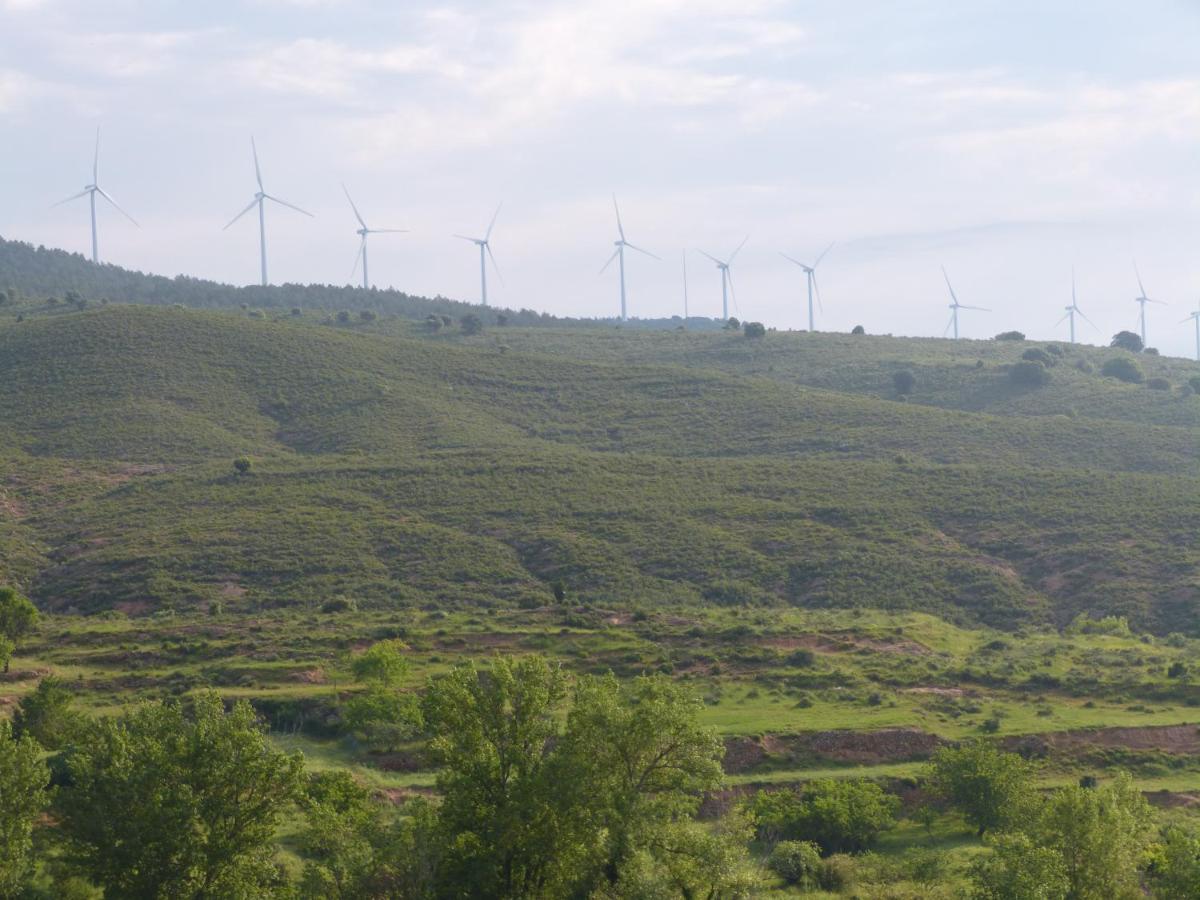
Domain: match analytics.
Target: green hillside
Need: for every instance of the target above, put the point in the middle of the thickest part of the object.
(403, 467)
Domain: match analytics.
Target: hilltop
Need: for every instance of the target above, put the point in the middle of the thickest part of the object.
(402, 466)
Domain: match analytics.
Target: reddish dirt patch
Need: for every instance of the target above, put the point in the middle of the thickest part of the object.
(844, 746)
(133, 607)
(939, 691)
(232, 589)
(310, 676)
(1179, 740)
(400, 796)
(1171, 799)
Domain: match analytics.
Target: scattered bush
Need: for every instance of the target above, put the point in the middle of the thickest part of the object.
(733, 324)
(1038, 355)
(1028, 373)
(1010, 336)
(343, 316)
(1194, 383)
(1123, 368)
(470, 324)
(1085, 367)
(242, 465)
(754, 330)
(796, 862)
(1158, 384)
(366, 315)
(858, 329)
(339, 605)
(1127, 340)
(904, 381)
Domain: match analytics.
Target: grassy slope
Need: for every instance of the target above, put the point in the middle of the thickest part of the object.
(637, 468)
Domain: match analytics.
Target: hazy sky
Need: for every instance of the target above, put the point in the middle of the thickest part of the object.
(1005, 139)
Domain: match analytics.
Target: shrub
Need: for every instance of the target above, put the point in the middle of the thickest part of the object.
(796, 862)
(343, 316)
(1177, 669)
(470, 324)
(339, 605)
(754, 330)
(1028, 373)
(1055, 349)
(1158, 384)
(46, 714)
(843, 816)
(1123, 368)
(904, 381)
(733, 324)
(1038, 355)
(1085, 367)
(1194, 382)
(1010, 336)
(242, 465)
(858, 329)
(1127, 340)
(366, 315)
(1151, 351)
(836, 874)
(297, 312)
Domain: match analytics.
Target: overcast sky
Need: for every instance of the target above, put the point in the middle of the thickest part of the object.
(1007, 140)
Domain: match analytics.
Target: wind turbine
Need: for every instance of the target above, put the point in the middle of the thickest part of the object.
(485, 250)
(1074, 309)
(619, 254)
(726, 277)
(364, 231)
(259, 200)
(90, 192)
(810, 273)
(1195, 317)
(955, 307)
(1142, 300)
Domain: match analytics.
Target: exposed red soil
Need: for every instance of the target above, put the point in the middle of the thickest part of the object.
(843, 746)
(1179, 740)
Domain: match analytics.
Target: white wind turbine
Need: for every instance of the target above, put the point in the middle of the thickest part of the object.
(955, 307)
(259, 200)
(727, 277)
(619, 254)
(485, 251)
(810, 274)
(362, 246)
(1074, 310)
(90, 192)
(1195, 317)
(1142, 300)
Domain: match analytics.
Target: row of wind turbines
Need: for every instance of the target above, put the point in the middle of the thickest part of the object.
(724, 266)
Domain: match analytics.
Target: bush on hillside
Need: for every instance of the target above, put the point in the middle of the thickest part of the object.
(343, 316)
(904, 381)
(858, 329)
(1151, 351)
(366, 315)
(796, 862)
(1194, 382)
(242, 465)
(1038, 355)
(1123, 368)
(1085, 367)
(1029, 373)
(1010, 336)
(1158, 384)
(1055, 350)
(754, 330)
(733, 324)
(470, 324)
(1127, 340)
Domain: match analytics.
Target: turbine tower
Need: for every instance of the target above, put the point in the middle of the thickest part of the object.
(727, 277)
(362, 246)
(485, 251)
(955, 306)
(619, 255)
(810, 274)
(1141, 300)
(90, 192)
(1074, 310)
(260, 200)
(1195, 317)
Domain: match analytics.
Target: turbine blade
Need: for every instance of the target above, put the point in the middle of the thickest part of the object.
(1139, 278)
(357, 214)
(817, 290)
(620, 228)
(1063, 319)
(289, 205)
(822, 256)
(387, 230)
(732, 291)
(465, 238)
(488, 234)
(362, 246)
(946, 330)
(82, 193)
(946, 275)
(253, 203)
(640, 250)
(739, 248)
(1159, 302)
(257, 170)
(96, 159)
(495, 265)
(710, 256)
(103, 193)
(609, 263)
(1086, 319)
(979, 308)
(796, 261)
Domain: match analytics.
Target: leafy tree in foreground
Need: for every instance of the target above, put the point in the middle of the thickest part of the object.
(164, 805)
(381, 714)
(18, 617)
(46, 714)
(1179, 868)
(988, 786)
(23, 795)
(1018, 869)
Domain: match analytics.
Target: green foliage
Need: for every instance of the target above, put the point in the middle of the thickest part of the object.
(754, 330)
(840, 816)
(1178, 871)
(991, 788)
(382, 716)
(18, 617)
(1038, 355)
(46, 715)
(1127, 340)
(1010, 336)
(166, 805)
(23, 796)
(470, 324)
(1117, 626)
(904, 381)
(242, 465)
(1029, 373)
(1158, 384)
(796, 862)
(1018, 869)
(1123, 368)
(382, 663)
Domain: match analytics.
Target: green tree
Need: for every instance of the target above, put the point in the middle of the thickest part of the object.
(1101, 834)
(1018, 869)
(18, 617)
(904, 381)
(163, 805)
(637, 760)
(1127, 340)
(754, 330)
(46, 714)
(381, 714)
(492, 733)
(843, 815)
(796, 862)
(470, 324)
(23, 795)
(988, 786)
(382, 663)
(242, 465)
(1123, 368)
(1179, 869)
